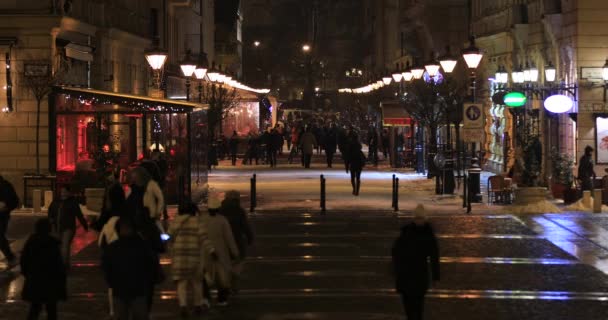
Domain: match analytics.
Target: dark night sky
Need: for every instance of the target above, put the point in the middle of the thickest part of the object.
(225, 11)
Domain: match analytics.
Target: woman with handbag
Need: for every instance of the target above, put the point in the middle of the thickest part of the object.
(218, 263)
(189, 241)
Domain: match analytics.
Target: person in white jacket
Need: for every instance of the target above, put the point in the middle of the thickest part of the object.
(218, 269)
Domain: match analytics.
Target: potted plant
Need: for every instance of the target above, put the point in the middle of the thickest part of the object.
(562, 176)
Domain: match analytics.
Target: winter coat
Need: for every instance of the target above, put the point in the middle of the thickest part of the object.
(8, 196)
(411, 252)
(43, 270)
(585, 167)
(221, 239)
(108, 233)
(239, 224)
(233, 143)
(114, 191)
(330, 141)
(154, 200)
(130, 267)
(63, 214)
(308, 142)
(356, 158)
(189, 242)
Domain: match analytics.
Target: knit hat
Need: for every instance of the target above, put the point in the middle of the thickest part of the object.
(213, 203)
(420, 212)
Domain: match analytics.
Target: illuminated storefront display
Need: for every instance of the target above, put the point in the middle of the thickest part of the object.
(97, 132)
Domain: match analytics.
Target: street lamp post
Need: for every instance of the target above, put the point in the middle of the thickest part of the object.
(472, 56)
(188, 66)
(309, 91)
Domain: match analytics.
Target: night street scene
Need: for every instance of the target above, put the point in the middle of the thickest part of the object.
(303, 159)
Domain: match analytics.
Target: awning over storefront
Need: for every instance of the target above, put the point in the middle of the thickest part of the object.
(99, 133)
(117, 102)
(393, 114)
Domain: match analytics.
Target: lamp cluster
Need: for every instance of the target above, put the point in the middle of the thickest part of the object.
(471, 55)
(199, 69)
(529, 74)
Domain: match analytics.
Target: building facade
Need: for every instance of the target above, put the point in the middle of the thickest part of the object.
(571, 36)
(91, 44)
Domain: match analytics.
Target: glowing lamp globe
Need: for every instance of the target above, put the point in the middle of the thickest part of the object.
(156, 58)
(417, 72)
(558, 103)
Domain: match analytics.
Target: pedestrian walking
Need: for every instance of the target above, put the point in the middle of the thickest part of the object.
(241, 230)
(114, 198)
(330, 144)
(108, 233)
(131, 269)
(234, 144)
(586, 174)
(8, 202)
(44, 272)
(146, 203)
(63, 213)
(218, 264)
(344, 144)
(252, 149)
(415, 254)
(189, 242)
(372, 153)
(385, 144)
(308, 143)
(356, 162)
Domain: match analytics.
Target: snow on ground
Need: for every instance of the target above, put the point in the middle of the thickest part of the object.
(294, 187)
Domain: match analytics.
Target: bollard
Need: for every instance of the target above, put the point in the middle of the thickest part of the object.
(322, 194)
(48, 198)
(587, 198)
(36, 198)
(253, 194)
(393, 193)
(597, 200)
(396, 194)
(465, 183)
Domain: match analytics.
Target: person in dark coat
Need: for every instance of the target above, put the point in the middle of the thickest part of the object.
(8, 202)
(343, 144)
(356, 162)
(412, 253)
(586, 174)
(63, 213)
(330, 144)
(372, 154)
(384, 140)
(252, 149)
(130, 268)
(114, 202)
(241, 230)
(234, 144)
(44, 272)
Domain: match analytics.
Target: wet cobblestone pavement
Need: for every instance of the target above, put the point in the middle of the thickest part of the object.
(307, 266)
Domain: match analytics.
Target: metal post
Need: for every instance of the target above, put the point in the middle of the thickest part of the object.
(322, 194)
(465, 186)
(396, 194)
(393, 193)
(253, 196)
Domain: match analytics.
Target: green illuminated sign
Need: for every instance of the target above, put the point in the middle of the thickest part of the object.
(515, 99)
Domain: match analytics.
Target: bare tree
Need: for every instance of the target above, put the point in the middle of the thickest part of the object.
(39, 80)
(222, 100)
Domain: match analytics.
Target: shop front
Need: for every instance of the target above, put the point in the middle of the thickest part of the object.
(98, 133)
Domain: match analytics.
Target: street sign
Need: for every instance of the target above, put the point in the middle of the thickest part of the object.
(473, 116)
(472, 135)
